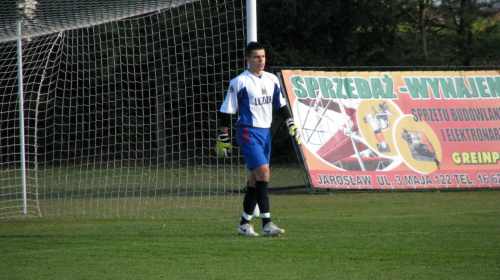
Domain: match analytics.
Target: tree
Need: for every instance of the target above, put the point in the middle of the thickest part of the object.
(470, 32)
(326, 33)
(378, 33)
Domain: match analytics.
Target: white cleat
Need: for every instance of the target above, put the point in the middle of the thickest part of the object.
(247, 229)
(271, 229)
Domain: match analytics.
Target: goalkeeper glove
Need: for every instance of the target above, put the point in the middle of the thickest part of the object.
(223, 148)
(294, 131)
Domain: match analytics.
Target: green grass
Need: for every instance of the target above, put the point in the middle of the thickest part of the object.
(410, 235)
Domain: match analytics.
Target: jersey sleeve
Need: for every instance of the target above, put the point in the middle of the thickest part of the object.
(279, 99)
(230, 104)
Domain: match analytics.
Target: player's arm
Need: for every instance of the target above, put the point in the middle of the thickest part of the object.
(284, 112)
(225, 120)
(223, 147)
(292, 128)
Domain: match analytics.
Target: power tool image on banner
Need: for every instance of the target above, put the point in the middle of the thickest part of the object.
(420, 146)
(378, 119)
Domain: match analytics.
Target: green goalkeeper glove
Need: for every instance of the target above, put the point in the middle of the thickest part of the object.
(294, 131)
(223, 148)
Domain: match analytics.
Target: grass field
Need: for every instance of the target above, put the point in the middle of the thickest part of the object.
(405, 235)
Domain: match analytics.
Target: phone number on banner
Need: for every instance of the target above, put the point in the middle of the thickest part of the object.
(404, 180)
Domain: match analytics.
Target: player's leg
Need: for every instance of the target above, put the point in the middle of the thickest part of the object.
(255, 145)
(248, 147)
(257, 151)
(259, 177)
(249, 202)
(269, 228)
(262, 176)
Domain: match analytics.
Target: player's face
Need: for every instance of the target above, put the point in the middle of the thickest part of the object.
(257, 62)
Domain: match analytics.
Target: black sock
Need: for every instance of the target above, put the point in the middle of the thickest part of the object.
(263, 200)
(262, 196)
(249, 202)
(244, 221)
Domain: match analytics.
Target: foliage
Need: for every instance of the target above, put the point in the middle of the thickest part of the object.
(379, 33)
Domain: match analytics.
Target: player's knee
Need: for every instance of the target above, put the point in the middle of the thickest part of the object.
(264, 177)
(262, 173)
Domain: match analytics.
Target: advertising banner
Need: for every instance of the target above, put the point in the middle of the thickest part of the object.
(398, 130)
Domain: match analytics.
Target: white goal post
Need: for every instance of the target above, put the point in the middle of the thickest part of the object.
(109, 108)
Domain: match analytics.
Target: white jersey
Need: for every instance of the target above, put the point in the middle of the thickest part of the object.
(255, 97)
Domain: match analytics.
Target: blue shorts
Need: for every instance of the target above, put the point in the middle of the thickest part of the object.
(255, 145)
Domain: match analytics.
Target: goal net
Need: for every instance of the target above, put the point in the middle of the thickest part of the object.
(109, 108)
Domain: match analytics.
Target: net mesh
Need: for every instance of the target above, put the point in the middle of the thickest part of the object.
(120, 106)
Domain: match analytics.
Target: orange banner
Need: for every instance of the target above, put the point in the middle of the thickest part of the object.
(390, 130)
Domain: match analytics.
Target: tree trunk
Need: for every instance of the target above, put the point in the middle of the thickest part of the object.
(422, 10)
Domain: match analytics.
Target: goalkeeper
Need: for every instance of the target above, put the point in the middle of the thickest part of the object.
(255, 93)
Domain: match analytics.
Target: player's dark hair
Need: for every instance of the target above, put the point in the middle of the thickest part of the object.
(252, 46)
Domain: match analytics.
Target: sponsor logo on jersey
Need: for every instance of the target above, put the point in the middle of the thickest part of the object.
(263, 100)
